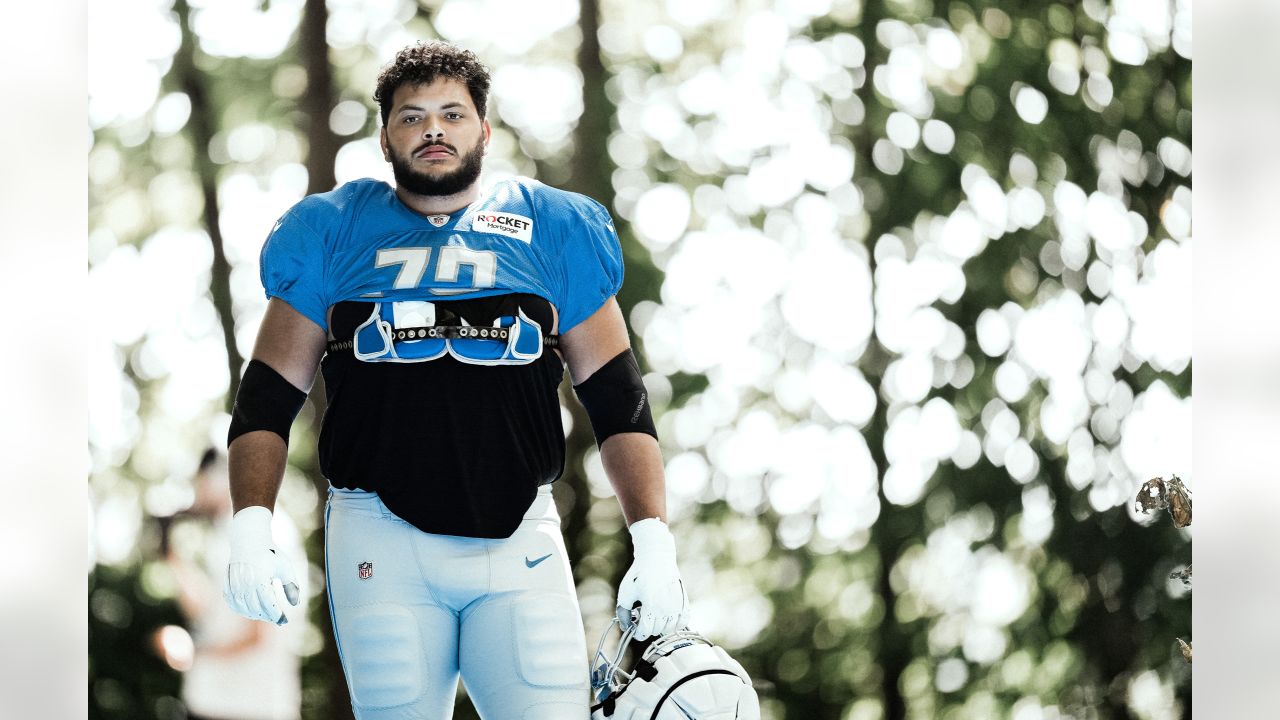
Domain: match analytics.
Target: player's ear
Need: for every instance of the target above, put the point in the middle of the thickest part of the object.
(382, 141)
(488, 132)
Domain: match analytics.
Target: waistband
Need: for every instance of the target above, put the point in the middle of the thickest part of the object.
(367, 502)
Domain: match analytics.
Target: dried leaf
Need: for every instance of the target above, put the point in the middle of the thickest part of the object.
(1157, 495)
(1179, 498)
(1184, 575)
(1186, 649)
(1151, 496)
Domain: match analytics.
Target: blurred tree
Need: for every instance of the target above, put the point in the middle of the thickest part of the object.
(128, 679)
(1013, 181)
(322, 673)
(202, 127)
(589, 173)
(1074, 118)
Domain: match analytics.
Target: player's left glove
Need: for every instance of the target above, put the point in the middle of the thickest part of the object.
(255, 566)
(654, 581)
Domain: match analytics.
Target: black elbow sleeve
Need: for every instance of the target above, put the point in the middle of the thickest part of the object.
(265, 401)
(615, 399)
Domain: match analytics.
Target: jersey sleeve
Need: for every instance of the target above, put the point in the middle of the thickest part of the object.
(292, 267)
(592, 264)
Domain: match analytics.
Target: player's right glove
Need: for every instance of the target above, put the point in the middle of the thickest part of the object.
(255, 566)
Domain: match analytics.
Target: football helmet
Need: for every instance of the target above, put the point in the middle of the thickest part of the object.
(681, 676)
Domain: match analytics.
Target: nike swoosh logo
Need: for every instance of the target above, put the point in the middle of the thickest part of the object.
(532, 563)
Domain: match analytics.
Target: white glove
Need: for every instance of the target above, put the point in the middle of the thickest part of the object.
(654, 581)
(255, 566)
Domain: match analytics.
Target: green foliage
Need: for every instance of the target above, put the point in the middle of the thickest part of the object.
(879, 620)
(128, 680)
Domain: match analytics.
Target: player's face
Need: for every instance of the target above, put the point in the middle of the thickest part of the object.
(434, 138)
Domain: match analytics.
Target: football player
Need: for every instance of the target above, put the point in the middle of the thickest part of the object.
(443, 318)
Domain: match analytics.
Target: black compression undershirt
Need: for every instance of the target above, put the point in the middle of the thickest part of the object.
(452, 448)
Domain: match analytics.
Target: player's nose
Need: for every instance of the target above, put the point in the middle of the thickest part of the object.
(431, 128)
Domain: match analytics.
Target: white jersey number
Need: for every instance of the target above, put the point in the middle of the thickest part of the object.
(413, 262)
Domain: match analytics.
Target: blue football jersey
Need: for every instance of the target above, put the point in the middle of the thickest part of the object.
(455, 435)
(360, 242)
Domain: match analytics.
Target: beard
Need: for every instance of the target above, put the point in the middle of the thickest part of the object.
(450, 183)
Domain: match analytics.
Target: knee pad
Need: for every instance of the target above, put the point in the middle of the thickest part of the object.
(381, 649)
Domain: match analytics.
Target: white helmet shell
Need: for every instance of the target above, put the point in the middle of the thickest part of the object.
(681, 676)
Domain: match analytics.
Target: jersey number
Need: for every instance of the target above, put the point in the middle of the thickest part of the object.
(413, 263)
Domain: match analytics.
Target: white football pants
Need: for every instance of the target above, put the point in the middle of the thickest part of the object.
(413, 611)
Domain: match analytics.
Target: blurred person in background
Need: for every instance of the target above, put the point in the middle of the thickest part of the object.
(239, 670)
(443, 318)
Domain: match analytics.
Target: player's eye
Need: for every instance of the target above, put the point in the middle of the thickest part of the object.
(411, 119)
(454, 116)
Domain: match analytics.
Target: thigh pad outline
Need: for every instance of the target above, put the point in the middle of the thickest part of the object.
(548, 640)
(382, 651)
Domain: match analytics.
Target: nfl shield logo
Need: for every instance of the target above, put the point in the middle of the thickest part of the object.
(438, 220)
(366, 570)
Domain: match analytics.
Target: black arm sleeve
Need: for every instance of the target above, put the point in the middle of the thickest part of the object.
(265, 401)
(615, 399)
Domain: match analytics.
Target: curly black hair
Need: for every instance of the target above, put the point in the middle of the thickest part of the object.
(423, 62)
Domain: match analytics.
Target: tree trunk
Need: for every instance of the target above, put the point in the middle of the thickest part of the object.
(201, 128)
(590, 161)
(319, 99)
(591, 167)
(316, 104)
